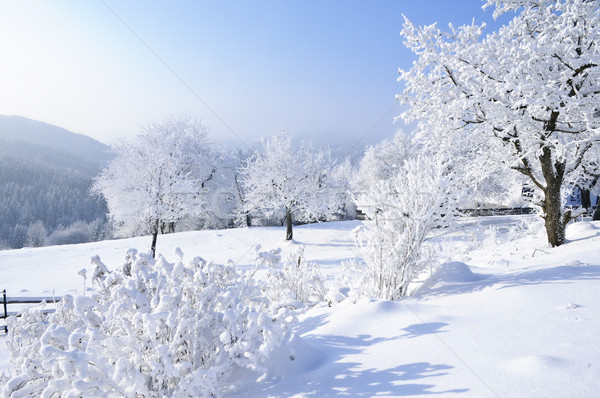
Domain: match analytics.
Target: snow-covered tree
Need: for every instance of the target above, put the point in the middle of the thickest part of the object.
(36, 234)
(342, 175)
(524, 97)
(226, 202)
(223, 197)
(382, 161)
(157, 179)
(295, 180)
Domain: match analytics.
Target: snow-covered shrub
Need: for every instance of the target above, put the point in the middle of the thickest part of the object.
(356, 282)
(78, 232)
(68, 237)
(402, 211)
(149, 329)
(293, 282)
(36, 234)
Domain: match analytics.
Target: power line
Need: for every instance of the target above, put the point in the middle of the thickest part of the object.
(166, 65)
(369, 130)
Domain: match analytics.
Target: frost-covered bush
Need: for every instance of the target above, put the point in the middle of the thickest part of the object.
(149, 329)
(293, 282)
(402, 211)
(68, 236)
(78, 232)
(36, 234)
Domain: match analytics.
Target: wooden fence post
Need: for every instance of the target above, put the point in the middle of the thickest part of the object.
(5, 327)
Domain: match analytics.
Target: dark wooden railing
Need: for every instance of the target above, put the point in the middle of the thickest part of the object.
(20, 300)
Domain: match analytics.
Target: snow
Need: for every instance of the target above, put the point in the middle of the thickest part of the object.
(505, 315)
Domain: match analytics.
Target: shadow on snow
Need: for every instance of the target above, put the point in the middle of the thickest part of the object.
(330, 375)
(556, 275)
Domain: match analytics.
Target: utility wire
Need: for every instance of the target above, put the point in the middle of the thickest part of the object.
(181, 80)
(484, 13)
(369, 130)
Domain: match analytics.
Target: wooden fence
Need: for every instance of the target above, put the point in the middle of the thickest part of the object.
(6, 301)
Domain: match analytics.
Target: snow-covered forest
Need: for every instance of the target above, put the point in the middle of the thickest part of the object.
(45, 176)
(46, 184)
(502, 305)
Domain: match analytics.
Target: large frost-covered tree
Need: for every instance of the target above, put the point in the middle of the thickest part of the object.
(281, 177)
(525, 96)
(157, 179)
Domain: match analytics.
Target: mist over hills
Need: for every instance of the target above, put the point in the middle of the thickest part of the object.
(19, 130)
(45, 175)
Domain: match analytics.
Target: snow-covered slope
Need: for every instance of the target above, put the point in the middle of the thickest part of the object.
(505, 317)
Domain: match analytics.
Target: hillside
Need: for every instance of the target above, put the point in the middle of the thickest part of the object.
(45, 175)
(505, 316)
(18, 129)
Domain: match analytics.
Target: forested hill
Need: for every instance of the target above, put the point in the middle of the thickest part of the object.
(45, 175)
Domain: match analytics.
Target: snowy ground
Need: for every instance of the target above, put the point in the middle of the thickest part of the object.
(508, 317)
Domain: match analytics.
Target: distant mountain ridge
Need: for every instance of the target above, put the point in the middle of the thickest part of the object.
(45, 175)
(18, 128)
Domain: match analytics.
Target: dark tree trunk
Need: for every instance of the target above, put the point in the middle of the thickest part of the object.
(586, 201)
(154, 237)
(289, 235)
(596, 216)
(555, 219)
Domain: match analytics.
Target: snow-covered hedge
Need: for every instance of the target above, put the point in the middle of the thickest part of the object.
(149, 329)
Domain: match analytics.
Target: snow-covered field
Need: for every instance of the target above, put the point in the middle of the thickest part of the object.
(506, 317)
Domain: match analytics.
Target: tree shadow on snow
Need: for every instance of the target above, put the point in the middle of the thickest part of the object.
(329, 375)
(556, 275)
(420, 329)
(559, 274)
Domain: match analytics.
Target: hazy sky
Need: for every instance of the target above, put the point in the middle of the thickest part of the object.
(324, 70)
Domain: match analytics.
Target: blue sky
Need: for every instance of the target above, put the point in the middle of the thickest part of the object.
(323, 70)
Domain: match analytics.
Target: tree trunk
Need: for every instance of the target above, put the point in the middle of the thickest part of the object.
(289, 235)
(586, 201)
(555, 219)
(154, 237)
(596, 216)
